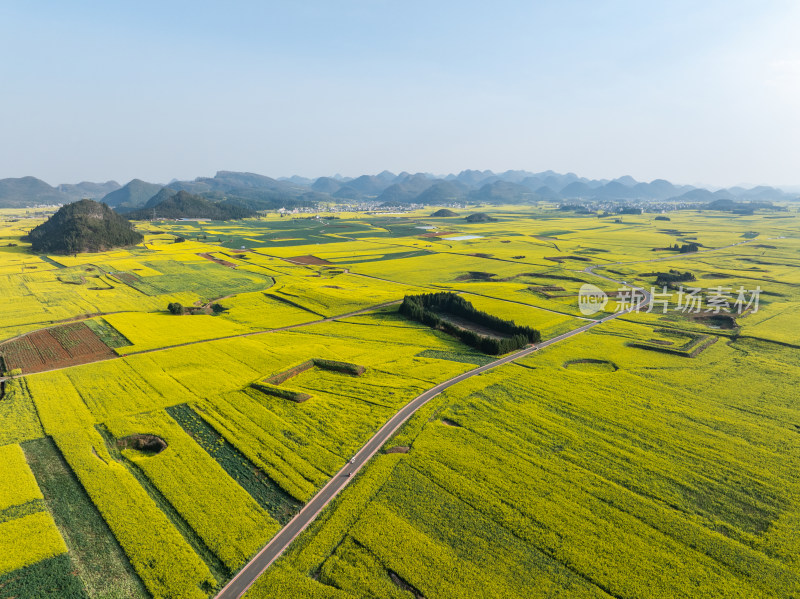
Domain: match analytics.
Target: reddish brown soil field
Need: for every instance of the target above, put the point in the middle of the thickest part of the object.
(56, 347)
(307, 260)
(217, 260)
(126, 277)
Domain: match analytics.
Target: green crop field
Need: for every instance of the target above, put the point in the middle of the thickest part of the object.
(152, 454)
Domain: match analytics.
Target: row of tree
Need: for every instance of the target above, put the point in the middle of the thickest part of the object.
(686, 248)
(178, 309)
(673, 276)
(428, 309)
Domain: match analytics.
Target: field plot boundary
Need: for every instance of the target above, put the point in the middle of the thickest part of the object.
(270, 385)
(332, 365)
(696, 344)
(55, 347)
(248, 575)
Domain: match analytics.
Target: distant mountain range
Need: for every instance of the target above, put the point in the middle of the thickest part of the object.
(258, 192)
(30, 191)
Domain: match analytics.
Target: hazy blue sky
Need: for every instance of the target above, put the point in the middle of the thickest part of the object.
(696, 92)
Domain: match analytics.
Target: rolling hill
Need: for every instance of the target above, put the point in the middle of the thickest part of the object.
(83, 226)
(171, 204)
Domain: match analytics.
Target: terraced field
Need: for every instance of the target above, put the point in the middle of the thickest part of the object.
(652, 455)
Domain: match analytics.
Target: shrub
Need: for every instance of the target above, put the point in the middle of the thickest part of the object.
(175, 308)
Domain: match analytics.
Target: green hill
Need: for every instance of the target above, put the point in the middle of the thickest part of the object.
(87, 190)
(443, 192)
(169, 204)
(28, 191)
(479, 217)
(503, 192)
(162, 196)
(84, 226)
(131, 196)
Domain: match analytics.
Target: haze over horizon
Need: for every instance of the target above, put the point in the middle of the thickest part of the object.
(694, 94)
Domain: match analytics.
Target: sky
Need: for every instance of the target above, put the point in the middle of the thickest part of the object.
(694, 92)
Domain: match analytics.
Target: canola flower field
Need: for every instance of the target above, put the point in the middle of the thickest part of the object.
(654, 455)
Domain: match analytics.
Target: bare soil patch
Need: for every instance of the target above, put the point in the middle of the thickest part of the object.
(309, 259)
(217, 260)
(55, 347)
(126, 277)
(398, 449)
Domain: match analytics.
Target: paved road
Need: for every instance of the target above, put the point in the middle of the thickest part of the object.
(280, 542)
(588, 269)
(276, 330)
(249, 334)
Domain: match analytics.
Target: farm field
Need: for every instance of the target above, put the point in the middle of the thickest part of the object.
(551, 477)
(145, 453)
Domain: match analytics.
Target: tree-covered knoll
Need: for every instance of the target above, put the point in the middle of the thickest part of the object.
(84, 226)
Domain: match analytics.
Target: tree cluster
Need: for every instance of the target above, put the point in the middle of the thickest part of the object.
(84, 226)
(428, 308)
(673, 276)
(175, 308)
(686, 248)
(479, 217)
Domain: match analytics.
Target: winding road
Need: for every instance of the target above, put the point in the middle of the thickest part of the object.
(247, 576)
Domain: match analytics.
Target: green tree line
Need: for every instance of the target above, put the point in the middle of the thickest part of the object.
(427, 309)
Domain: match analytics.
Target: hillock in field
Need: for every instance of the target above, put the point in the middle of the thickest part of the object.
(140, 455)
